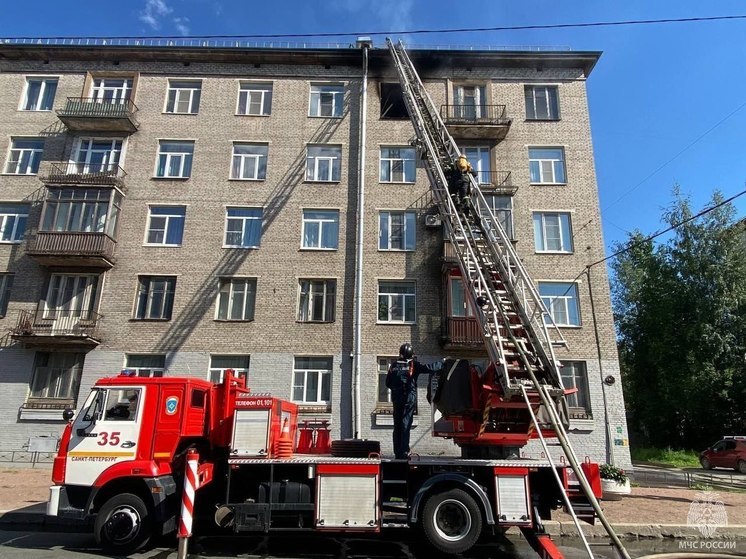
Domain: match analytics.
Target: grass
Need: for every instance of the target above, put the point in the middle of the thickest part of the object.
(666, 457)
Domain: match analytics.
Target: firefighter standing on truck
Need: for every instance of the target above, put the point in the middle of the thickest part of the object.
(401, 379)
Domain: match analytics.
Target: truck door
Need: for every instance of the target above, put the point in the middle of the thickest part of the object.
(105, 432)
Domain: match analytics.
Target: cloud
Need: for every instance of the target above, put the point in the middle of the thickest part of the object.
(182, 25)
(382, 15)
(153, 12)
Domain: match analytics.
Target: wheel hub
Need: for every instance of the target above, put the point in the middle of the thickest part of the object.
(122, 525)
(452, 520)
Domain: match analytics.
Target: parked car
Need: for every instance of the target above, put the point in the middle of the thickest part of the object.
(729, 452)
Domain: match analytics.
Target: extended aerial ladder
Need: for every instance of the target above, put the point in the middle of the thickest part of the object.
(522, 391)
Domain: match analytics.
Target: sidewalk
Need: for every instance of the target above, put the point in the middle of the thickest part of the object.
(648, 512)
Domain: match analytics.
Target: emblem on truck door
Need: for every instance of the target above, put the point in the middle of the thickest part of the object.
(172, 404)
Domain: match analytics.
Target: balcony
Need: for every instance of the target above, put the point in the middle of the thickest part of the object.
(64, 173)
(476, 122)
(72, 248)
(89, 114)
(496, 182)
(52, 327)
(462, 333)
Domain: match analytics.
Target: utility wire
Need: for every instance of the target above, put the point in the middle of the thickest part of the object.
(417, 31)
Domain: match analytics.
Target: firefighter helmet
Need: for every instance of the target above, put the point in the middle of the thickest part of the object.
(405, 351)
(462, 163)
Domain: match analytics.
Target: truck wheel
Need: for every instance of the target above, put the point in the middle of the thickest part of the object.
(452, 521)
(123, 524)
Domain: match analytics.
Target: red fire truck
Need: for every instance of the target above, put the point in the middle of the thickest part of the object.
(122, 458)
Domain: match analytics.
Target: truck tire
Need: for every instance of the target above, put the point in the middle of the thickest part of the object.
(452, 521)
(355, 448)
(123, 524)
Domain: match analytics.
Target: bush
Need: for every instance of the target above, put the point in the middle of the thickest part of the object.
(613, 473)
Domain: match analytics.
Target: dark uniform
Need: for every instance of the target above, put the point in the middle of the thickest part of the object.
(401, 379)
(459, 185)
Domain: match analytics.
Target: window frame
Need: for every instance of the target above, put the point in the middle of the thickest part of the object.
(568, 248)
(503, 215)
(405, 297)
(258, 174)
(391, 163)
(248, 91)
(409, 222)
(562, 161)
(467, 311)
(244, 221)
(335, 164)
(178, 91)
(122, 93)
(169, 155)
(169, 292)
(483, 156)
(20, 222)
(169, 218)
(240, 371)
(22, 106)
(114, 156)
(337, 101)
(382, 367)
(34, 159)
(6, 288)
(249, 298)
(583, 392)
(75, 372)
(320, 221)
(565, 297)
(323, 375)
(328, 301)
(547, 87)
(152, 371)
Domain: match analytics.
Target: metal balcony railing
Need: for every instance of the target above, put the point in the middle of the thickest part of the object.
(90, 113)
(71, 173)
(495, 179)
(474, 114)
(54, 322)
(72, 243)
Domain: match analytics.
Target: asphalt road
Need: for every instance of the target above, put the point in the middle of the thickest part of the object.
(53, 545)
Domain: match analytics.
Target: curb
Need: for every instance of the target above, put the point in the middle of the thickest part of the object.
(643, 531)
(38, 521)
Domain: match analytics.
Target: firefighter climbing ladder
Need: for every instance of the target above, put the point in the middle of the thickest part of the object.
(506, 303)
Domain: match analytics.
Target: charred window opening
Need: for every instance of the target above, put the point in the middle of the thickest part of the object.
(392, 102)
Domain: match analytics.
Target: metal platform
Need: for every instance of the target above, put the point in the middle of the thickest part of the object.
(413, 461)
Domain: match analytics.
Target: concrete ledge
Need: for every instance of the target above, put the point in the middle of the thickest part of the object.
(34, 518)
(643, 531)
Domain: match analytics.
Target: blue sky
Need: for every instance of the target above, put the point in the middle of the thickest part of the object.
(656, 90)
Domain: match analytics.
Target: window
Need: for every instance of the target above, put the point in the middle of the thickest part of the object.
(57, 375)
(6, 284)
(479, 157)
(312, 380)
(398, 165)
(97, 155)
(88, 210)
(396, 230)
(155, 297)
(236, 299)
(249, 161)
(384, 394)
(70, 297)
(470, 102)
(574, 375)
(221, 363)
(183, 97)
(25, 156)
(13, 219)
(323, 163)
(122, 404)
(392, 102)
(320, 229)
(166, 225)
(552, 232)
(396, 301)
(115, 91)
(542, 102)
(326, 100)
(39, 94)
(243, 227)
(460, 306)
(174, 159)
(255, 99)
(561, 298)
(317, 300)
(547, 165)
(502, 209)
(146, 365)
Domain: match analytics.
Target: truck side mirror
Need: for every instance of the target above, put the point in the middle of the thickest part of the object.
(68, 414)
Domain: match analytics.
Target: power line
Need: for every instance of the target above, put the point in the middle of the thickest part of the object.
(417, 31)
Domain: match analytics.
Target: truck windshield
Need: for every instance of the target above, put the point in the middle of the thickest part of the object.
(94, 405)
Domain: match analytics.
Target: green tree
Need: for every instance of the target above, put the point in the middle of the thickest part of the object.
(680, 308)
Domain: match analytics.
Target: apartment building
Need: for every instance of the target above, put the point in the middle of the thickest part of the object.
(182, 210)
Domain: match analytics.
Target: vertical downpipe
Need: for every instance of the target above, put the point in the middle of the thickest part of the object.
(365, 43)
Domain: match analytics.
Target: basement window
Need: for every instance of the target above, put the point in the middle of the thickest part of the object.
(392, 102)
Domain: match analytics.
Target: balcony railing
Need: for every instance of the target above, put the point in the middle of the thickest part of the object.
(72, 248)
(54, 326)
(463, 331)
(71, 173)
(476, 122)
(499, 180)
(89, 113)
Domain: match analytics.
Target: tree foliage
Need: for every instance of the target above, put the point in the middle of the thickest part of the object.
(680, 308)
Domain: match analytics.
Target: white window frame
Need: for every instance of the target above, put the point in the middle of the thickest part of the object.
(409, 223)
(147, 311)
(42, 92)
(34, 159)
(193, 100)
(577, 366)
(319, 90)
(456, 283)
(173, 154)
(328, 299)
(383, 363)
(478, 162)
(547, 87)
(244, 226)
(226, 289)
(242, 372)
(324, 379)
(20, 223)
(120, 93)
(334, 161)
(553, 302)
(6, 286)
(405, 297)
(499, 212)
(320, 221)
(249, 161)
(554, 166)
(566, 245)
(247, 89)
(83, 289)
(114, 156)
(479, 105)
(169, 219)
(392, 162)
(146, 372)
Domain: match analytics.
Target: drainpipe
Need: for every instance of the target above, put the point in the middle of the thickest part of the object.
(364, 43)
